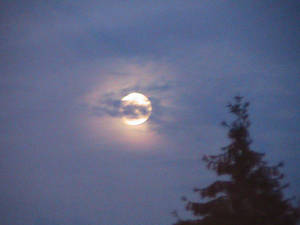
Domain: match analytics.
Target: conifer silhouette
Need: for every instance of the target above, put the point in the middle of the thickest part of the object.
(251, 193)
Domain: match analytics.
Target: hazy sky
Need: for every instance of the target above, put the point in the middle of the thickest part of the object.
(66, 157)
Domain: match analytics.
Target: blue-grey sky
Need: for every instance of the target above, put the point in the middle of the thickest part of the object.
(67, 158)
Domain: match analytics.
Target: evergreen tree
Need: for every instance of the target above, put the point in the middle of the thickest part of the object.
(252, 193)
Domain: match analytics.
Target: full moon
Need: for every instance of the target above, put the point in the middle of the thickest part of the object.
(135, 108)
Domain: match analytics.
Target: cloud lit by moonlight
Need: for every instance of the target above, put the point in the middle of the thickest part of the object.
(135, 108)
(116, 111)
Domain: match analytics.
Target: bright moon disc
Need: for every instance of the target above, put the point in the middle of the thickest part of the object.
(135, 108)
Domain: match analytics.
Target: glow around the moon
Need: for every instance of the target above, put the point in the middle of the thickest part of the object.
(135, 108)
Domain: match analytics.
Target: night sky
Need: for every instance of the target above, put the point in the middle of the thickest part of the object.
(66, 156)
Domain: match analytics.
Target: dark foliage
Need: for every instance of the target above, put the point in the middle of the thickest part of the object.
(253, 193)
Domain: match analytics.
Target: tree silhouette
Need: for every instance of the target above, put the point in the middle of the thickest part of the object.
(251, 193)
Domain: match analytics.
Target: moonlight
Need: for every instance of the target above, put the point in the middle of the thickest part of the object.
(135, 108)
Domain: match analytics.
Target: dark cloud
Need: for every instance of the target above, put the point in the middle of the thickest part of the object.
(107, 105)
(134, 111)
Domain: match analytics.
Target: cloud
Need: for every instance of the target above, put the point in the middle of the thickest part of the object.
(134, 111)
(107, 105)
(102, 109)
(123, 77)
